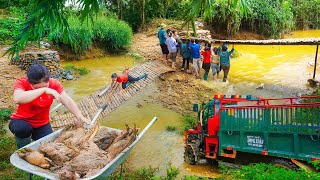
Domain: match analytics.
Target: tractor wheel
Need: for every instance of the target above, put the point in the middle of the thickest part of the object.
(189, 155)
(283, 163)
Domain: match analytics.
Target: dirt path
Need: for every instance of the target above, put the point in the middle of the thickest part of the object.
(8, 75)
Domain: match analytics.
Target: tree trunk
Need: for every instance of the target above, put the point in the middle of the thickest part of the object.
(229, 27)
(118, 3)
(142, 13)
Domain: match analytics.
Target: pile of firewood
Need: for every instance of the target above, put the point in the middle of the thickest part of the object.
(79, 152)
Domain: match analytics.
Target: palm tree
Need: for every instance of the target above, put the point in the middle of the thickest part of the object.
(205, 9)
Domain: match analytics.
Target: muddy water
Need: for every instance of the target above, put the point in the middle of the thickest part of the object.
(100, 75)
(282, 69)
(158, 147)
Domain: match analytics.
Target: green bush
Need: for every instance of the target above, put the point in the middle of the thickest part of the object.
(76, 70)
(189, 122)
(307, 14)
(270, 18)
(10, 28)
(263, 171)
(4, 114)
(114, 34)
(79, 38)
(109, 32)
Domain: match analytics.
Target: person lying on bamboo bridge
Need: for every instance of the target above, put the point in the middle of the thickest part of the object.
(125, 79)
(34, 95)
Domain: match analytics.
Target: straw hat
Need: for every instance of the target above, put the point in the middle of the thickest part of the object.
(162, 25)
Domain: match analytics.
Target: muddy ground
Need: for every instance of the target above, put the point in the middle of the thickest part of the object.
(177, 90)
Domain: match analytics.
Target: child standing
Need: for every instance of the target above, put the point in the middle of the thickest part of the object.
(195, 54)
(185, 55)
(215, 62)
(206, 61)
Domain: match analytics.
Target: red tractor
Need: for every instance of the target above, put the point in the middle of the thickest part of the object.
(285, 130)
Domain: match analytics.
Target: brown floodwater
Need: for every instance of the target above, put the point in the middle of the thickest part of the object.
(283, 70)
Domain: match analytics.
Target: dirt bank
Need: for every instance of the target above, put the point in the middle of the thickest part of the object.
(8, 75)
(177, 90)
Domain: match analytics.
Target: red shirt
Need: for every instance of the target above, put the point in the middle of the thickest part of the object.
(36, 112)
(206, 56)
(122, 78)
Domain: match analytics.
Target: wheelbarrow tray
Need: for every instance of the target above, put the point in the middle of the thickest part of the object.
(102, 174)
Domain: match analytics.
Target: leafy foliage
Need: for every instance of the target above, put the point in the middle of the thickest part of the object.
(267, 172)
(104, 30)
(271, 18)
(114, 34)
(188, 122)
(307, 14)
(50, 15)
(80, 35)
(76, 70)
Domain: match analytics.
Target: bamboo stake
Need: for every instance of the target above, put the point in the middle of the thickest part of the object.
(315, 62)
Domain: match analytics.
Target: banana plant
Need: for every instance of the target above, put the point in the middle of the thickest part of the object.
(205, 9)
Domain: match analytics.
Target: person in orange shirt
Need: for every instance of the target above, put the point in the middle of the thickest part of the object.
(34, 95)
(125, 79)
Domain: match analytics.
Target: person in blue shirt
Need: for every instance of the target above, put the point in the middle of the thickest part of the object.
(185, 54)
(225, 60)
(162, 36)
(195, 54)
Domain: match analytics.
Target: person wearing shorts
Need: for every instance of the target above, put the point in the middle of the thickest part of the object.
(172, 47)
(162, 36)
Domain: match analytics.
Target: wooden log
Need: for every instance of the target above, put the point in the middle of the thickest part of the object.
(297, 41)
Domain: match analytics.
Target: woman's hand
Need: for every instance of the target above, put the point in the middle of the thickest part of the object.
(53, 93)
(84, 120)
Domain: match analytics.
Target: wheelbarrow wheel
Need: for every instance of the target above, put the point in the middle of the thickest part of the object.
(189, 155)
(283, 163)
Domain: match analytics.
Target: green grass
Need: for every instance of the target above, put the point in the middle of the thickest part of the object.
(263, 171)
(171, 128)
(76, 70)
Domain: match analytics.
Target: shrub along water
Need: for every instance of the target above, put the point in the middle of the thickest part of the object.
(112, 33)
(104, 31)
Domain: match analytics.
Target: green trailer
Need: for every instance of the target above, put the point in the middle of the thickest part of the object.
(286, 130)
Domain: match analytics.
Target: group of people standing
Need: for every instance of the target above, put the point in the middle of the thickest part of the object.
(215, 58)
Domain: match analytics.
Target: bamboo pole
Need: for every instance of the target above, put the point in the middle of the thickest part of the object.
(315, 62)
(296, 41)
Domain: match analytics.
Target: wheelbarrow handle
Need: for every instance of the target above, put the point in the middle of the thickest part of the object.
(95, 118)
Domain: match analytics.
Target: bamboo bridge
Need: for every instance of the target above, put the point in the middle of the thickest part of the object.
(89, 105)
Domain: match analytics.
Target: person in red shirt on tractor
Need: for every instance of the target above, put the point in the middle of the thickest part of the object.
(34, 95)
(125, 79)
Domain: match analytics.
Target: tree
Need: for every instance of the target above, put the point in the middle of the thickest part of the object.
(50, 15)
(205, 9)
